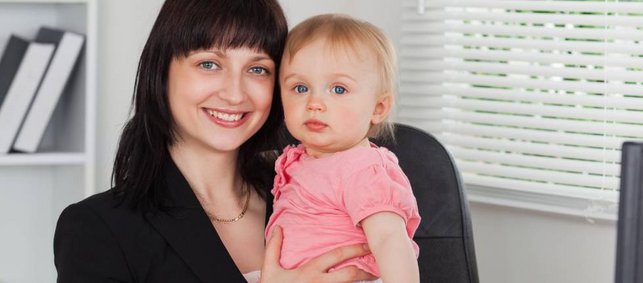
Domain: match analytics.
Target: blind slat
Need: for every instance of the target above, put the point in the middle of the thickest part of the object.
(550, 111)
(535, 162)
(540, 5)
(417, 58)
(496, 144)
(607, 101)
(501, 120)
(512, 184)
(532, 18)
(535, 175)
(525, 31)
(550, 137)
(521, 82)
(522, 68)
(411, 41)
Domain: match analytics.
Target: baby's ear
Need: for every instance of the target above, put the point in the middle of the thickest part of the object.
(382, 108)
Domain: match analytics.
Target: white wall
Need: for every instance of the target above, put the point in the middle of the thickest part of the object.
(384, 13)
(512, 245)
(123, 26)
(517, 245)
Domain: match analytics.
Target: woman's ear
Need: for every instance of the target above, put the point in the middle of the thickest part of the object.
(382, 109)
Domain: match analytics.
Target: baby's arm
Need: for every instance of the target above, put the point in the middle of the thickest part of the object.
(391, 246)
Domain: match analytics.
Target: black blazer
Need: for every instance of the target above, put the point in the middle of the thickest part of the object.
(98, 241)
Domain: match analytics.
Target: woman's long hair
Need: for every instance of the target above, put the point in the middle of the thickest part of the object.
(183, 26)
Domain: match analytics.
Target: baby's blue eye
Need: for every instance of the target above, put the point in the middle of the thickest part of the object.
(208, 65)
(258, 70)
(301, 89)
(338, 90)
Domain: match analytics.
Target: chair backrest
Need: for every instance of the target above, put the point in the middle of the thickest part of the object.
(445, 237)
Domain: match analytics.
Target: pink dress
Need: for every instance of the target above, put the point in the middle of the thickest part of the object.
(319, 202)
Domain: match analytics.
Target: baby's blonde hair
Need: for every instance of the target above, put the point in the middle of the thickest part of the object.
(352, 34)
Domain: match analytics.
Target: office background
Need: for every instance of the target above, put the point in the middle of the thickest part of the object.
(515, 241)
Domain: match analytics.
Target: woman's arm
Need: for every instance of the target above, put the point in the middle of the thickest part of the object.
(314, 271)
(391, 246)
(85, 250)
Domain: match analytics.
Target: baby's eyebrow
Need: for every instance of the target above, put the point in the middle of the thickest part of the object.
(347, 76)
(289, 76)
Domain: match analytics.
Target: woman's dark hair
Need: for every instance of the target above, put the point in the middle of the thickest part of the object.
(183, 26)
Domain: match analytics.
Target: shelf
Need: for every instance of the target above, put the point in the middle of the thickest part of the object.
(36, 187)
(42, 159)
(44, 1)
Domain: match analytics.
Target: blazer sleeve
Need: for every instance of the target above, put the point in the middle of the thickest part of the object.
(85, 249)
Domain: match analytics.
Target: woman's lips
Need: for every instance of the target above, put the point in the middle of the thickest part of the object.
(226, 118)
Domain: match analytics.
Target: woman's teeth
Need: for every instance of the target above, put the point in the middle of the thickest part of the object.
(225, 116)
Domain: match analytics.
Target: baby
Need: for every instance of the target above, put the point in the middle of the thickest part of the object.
(337, 188)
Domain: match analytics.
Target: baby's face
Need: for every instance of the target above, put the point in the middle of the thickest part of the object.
(331, 97)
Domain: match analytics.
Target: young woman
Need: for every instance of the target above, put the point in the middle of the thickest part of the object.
(194, 163)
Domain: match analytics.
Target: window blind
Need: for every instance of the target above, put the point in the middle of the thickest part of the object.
(526, 94)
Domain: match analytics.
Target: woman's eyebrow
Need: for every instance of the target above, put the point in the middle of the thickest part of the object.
(222, 54)
(213, 51)
(261, 57)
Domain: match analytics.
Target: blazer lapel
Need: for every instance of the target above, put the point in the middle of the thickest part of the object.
(189, 232)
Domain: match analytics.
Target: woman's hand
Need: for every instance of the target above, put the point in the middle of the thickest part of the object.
(316, 270)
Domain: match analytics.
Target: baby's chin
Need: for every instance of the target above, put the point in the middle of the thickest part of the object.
(320, 151)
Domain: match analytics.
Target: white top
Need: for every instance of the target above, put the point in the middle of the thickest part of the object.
(252, 276)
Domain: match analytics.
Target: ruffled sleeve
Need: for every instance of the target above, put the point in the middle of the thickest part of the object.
(290, 154)
(379, 188)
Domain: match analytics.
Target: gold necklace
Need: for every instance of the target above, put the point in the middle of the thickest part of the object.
(230, 220)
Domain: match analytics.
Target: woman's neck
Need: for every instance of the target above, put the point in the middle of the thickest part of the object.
(212, 175)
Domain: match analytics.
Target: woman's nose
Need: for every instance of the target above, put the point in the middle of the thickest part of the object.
(234, 91)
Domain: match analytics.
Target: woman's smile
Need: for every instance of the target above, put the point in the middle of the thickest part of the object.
(226, 118)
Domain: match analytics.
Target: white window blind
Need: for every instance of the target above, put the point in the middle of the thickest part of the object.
(526, 94)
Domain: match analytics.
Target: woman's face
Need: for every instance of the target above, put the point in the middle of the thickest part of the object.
(219, 98)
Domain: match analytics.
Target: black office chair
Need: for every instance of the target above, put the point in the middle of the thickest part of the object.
(445, 237)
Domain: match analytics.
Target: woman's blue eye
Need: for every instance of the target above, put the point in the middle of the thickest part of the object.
(338, 90)
(258, 70)
(301, 89)
(208, 65)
